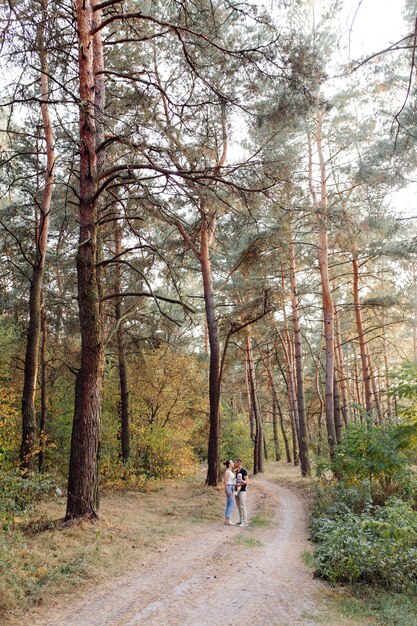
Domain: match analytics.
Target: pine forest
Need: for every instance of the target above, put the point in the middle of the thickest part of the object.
(208, 240)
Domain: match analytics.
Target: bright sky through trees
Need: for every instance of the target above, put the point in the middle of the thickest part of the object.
(371, 25)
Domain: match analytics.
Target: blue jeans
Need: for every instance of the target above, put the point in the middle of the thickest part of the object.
(230, 502)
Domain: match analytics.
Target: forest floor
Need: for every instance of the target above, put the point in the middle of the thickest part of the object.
(181, 566)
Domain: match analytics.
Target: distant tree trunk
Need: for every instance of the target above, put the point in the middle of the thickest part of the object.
(82, 499)
(28, 443)
(337, 412)
(42, 422)
(250, 407)
(292, 394)
(299, 368)
(366, 377)
(291, 413)
(258, 465)
(124, 391)
(359, 402)
(415, 314)
(267, 362)
(275, 428)
(327, 302)
(375, 389)
(340, 362)
(321, 410)
(284, 434)
(265, 446)
(387, 380)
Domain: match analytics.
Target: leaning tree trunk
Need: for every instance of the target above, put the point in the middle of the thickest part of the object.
(82, 499)
(28, 442)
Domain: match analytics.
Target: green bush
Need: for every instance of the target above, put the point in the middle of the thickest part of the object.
(375, 452)
(19, 493)
(378, 545)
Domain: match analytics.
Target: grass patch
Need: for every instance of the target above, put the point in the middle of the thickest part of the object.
(386, 609)
(249, 542)
(313, 617)
(260, 520)
(309, 559)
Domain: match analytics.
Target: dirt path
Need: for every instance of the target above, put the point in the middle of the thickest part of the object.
(219, 575)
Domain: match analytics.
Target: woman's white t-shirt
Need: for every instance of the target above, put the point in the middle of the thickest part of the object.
(231, 478)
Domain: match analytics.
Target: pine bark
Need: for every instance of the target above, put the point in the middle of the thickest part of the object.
(83, 499)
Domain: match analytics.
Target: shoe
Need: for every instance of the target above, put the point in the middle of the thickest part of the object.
(239, 523)
(243, 524)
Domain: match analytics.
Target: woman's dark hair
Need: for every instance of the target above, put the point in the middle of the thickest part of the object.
(227, 463)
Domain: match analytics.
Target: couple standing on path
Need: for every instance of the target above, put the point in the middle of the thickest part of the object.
(235, 481)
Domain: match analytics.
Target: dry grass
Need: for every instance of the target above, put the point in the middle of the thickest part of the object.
(39, 566)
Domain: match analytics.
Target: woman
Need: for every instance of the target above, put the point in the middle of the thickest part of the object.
(229, 483)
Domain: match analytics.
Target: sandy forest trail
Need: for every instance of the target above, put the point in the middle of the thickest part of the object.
(218, 575)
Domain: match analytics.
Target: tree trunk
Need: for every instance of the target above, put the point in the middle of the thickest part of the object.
(366, 377)
(414, 314)
(342, 371)
(250, 408)
(284, 433)
(267, 362)
(292, 397)
(275, 428)
(375, 389)
(82, 499)
(337, 412)
(387, 380)
(327, 302)
(213, 334)
(28, 442)
(299, 368)
(321, 405)
(42, 422)
(290, 410)
(258, 465)
(124, 392)
(359, 402)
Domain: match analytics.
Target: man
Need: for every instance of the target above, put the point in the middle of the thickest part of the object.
(241, 495)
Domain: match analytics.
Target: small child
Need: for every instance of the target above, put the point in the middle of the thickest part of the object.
(238, 483)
